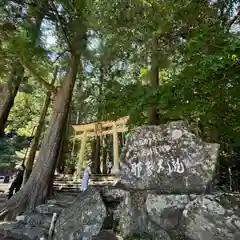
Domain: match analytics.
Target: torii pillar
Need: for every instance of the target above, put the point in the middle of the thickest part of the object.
(81, 155)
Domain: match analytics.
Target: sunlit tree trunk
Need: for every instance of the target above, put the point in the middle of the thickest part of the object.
(35, 142)
(36, 190)
(8, 94)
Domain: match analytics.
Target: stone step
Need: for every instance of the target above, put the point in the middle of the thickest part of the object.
(72, 185)
(63, 185)
(79, 182)
(93, 175)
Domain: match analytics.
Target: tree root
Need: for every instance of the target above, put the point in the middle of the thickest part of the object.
(3, 213)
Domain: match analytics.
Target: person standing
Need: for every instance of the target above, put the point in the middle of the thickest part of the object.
(86, 173)
(16, 182)
(109, 167)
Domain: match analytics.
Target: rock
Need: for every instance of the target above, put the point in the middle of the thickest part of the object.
(166, 210)
(230, 201)
(64, 198)
(31, 219)
(106, 235)
(204, 218)
(52, 201)
(110, 193)
(83, 219)
(169, 158)
(48, 209)
(18, 230)
(133, 218)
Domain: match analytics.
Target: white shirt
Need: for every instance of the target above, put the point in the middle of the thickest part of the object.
(87, 171)
(109, 164)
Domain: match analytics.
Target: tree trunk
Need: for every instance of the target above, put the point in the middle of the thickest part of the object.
(97, 156)
(153, 118)
(35, 142)
(104, 156)
(60, 160)
(50, 186)
(64, 148)
(36, 190)
(120, 137)
(110, 147)
(93, 147)
(60, 157)
(9, 93)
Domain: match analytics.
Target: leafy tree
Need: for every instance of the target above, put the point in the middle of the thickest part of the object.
(35, 142)
(20, 30)
(70, 18)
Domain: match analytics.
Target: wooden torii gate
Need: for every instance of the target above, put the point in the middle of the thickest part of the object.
(83, 131)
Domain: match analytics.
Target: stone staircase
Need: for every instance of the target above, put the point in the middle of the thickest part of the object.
(66, 183)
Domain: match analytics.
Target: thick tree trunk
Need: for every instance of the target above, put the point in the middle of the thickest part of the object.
(60, 160)
(60, 157)
(36, 190)
(153, 118)
(50, 186)
(35, 142)
(8, 94)
(64, 148)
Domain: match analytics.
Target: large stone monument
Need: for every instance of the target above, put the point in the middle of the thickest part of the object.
(168, 158)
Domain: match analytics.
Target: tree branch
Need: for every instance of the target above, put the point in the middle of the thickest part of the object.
(61, 25)
(234, 19)
(40, 79)
(59, 56)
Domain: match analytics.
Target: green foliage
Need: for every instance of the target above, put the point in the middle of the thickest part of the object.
(24, 115)
(188, 41)
(12, 150)
(206, 88)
